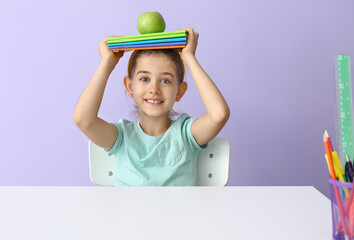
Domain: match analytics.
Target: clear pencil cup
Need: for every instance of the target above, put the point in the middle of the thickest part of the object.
(342, 210)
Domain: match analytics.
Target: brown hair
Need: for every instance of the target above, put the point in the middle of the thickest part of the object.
(170, 53)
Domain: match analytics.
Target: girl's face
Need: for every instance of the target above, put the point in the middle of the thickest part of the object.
(154, 85)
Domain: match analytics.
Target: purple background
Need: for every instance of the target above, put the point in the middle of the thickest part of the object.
(272, 60)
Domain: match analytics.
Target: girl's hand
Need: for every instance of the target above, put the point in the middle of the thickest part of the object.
(192, 42)
(109, 55)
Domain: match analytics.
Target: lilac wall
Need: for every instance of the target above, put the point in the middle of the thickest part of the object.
(272, 60)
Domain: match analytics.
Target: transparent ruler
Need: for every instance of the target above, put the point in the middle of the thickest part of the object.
(344, 107)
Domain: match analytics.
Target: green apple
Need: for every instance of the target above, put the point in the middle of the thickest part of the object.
(151, 22)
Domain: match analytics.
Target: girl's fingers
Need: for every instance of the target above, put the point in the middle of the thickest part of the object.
(190, 32)
(185, 29)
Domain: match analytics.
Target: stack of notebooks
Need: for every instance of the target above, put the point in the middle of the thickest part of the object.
(175, 39)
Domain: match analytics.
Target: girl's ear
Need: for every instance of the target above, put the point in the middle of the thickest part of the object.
(128, 85)
(181, 90)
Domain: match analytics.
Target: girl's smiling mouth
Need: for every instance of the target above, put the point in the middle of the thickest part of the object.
(153, 101)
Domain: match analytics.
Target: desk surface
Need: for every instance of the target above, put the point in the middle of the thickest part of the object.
(164, 213)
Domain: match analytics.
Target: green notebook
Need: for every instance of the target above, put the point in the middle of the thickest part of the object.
(148, 36)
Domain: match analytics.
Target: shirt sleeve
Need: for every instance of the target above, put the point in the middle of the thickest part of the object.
(117, 144)
(187, 133)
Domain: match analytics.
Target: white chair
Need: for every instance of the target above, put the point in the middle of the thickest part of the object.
(212, 165)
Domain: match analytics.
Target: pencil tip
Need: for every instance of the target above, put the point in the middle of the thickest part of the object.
(326, 133)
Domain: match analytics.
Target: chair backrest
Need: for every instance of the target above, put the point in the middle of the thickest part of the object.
(212, 166)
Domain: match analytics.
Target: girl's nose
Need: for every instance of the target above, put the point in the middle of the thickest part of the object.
(154, 87)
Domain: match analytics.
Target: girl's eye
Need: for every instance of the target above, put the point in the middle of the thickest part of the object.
(165, 81)
(144, 79)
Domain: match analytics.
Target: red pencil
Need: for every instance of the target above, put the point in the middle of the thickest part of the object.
(329, 140)
(335, 188)
(329, 156)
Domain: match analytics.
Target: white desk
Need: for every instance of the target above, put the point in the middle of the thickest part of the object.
(164, 213)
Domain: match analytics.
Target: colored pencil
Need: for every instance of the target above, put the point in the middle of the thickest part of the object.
(329, 155)
(329, 140)
(335, 188)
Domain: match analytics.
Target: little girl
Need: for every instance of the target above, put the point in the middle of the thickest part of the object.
(154, 151)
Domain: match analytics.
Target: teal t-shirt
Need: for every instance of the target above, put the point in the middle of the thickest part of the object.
(167, 160)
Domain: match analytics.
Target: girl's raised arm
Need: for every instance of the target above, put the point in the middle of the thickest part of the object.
(85, 114)
(209, 125)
